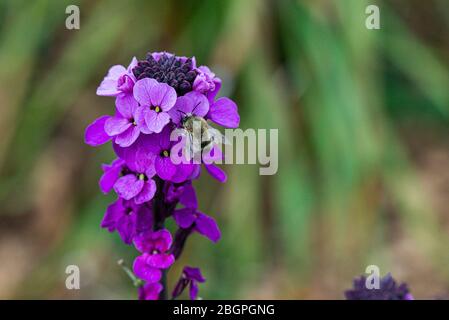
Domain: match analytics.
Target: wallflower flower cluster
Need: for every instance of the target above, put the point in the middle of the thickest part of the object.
(154, 97)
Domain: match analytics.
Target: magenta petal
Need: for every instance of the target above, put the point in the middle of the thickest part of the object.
(116, 125)
(126, 227)
(139, 117)
(184, 217)
(145, 272)
(184, 105)
(165, 168)
(109, 177)
(163, 240)
(216, 172)
(147, 193)
(188, 197)
(128, 137)
(193, 291)
(111, 216)
(200, 103)
(95, 134)
(156, 121)
(126, 105)
(142, 91)
(224, 112)
(207, 226)
(163, 96)
(183, 172)
(161, 261)
(108, 86)
(128, 186)
(150, 291)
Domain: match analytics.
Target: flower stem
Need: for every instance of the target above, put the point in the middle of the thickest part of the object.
(159, 212)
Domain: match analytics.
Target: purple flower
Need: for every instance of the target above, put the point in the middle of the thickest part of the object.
(190, 217)
(127, 218)
(150, 291)
(190, 276)
(154, 246)
(122, 127)
(118, 80)
(207, 83)
(137, 183)
(388, 290)
(184, 193)
(155, 100)
(160, 146)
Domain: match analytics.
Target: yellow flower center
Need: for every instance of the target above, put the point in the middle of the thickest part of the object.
(157, 109)
(165, 153)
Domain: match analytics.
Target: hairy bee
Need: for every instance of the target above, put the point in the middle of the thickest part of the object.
(201, 136)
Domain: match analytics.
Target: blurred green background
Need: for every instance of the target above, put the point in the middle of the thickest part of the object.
(363, 144)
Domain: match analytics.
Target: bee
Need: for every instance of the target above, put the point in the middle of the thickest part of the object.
(200, 134)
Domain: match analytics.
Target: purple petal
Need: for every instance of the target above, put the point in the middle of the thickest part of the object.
(139, 117)
(224, 112)
(207, 226)
(95, 134)
(147, 193)
(126, 227)
(165, 168)
(142, 91)
(184, 105)
(148, 241)
(116, 125)
(156, 121)
(200, 105)
(163, 240)
(188, 197)
(112, 214)
(193, 292)
(128, 137)
(144, 219)
(145, 272)
(183, 172)
(150, 291)
(193, 274)
(163, 96)
(128, 186)
(126, 105)
(131, 66)
(143, 162)
(108, 86)
(161, 261)
(184, 217)
(110, 176)
(216, 172)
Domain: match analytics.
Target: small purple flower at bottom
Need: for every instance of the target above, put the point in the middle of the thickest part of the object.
(154, 246)
(127, 218)
(388, 290)
(150, 291)
(190, 276)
